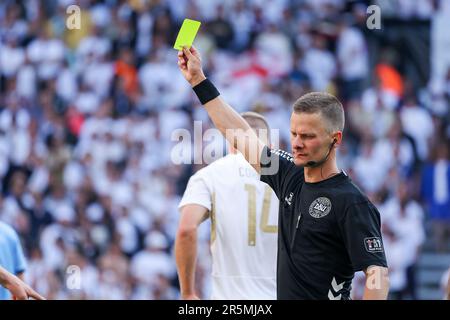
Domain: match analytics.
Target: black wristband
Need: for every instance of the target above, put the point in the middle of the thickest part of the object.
(206, 91)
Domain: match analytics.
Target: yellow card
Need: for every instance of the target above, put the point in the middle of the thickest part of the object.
(187, 34)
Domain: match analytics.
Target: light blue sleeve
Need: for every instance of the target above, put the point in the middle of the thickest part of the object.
(20, 262)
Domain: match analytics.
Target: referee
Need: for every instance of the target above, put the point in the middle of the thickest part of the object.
(328, 229)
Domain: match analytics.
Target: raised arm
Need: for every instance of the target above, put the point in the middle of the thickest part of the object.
(234, 128)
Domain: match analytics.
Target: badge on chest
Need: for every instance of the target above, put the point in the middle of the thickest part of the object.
(320, 207)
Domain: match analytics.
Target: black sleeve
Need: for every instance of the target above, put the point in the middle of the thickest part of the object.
(276, 166)
(361, 229)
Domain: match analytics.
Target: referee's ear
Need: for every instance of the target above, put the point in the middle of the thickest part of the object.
(337, 139)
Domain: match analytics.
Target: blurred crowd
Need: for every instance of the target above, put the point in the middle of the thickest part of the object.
(87, 118)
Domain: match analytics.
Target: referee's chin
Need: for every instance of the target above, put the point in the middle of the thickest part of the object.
(301, 162)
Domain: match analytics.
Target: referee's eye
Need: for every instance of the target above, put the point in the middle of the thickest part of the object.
(293, 134)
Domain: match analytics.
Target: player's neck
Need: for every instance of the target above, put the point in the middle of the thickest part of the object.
(322, 172)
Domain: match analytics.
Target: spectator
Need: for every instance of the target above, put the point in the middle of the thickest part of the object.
(352, 59)
(406, 218)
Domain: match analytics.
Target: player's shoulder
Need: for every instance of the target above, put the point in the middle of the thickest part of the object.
(229, 162)
(7, 231)
(225, 160)
(218, 166)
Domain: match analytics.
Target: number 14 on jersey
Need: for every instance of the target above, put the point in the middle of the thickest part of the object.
(264, 222)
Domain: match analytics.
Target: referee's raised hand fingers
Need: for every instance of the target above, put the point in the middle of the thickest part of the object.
(195, 52)
(188, 53)
(181, 65)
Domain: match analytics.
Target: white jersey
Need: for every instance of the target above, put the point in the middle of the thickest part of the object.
(244, 219)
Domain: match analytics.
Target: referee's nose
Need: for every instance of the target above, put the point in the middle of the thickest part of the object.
(297, 143)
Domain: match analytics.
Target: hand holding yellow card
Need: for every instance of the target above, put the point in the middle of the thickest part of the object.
(187, 34)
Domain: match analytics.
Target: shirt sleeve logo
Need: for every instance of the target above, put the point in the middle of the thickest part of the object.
(373, 244)
(320, 207)
(289, 200)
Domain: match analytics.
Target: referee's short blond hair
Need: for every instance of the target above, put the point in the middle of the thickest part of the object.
(327, 105)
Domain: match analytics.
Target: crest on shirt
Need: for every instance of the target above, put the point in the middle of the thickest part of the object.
(320, 207)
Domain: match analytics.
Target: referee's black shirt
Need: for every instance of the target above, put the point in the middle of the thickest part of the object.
(327, 231)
